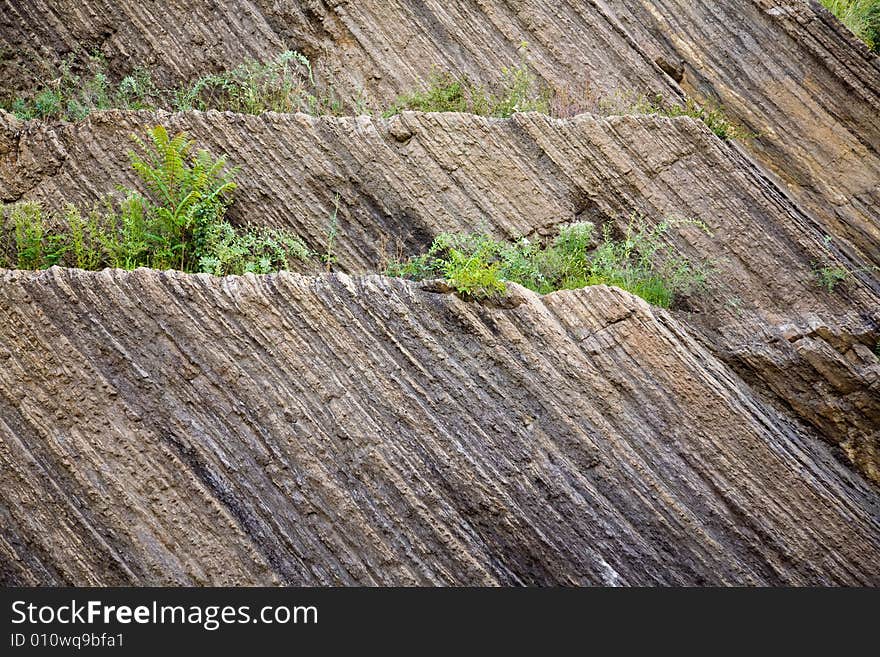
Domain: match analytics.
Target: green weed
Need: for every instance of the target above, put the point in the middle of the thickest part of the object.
(862, 17)
(179, 224)
(517, 91)
(712, 115)
(190, 192)
(639, 261)
(254, 250)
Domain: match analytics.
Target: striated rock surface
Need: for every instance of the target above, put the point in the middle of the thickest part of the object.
(170, 428)
(403, 180)
(787, 71)
(352, 429)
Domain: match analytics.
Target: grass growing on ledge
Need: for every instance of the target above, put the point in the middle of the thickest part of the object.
(712, 115)
(476, 265)
(284, 84)
(179, 224)
(444, 91)
(862, 17)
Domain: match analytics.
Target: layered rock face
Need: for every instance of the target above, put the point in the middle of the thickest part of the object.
(787, 71)
(171, 428)
(403, 180)
(347, 428)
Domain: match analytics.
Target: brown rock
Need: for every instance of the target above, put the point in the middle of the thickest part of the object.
(339, 430)
(525, 176)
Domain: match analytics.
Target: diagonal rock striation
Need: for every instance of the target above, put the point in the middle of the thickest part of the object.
(362, 430)
(403, 180)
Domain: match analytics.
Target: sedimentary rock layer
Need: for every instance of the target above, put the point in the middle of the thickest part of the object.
(347, 428)
(401, 181)
(171, 428)
(787, 71)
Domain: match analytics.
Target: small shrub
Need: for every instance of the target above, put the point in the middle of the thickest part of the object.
(443, 93)
(71, 96)
(640, 262)
(830, 277)
(27, 223)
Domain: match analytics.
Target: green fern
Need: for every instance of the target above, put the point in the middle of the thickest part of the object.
(180, 223)
(190, 192)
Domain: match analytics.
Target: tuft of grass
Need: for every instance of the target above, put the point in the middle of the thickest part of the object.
(284, 84)
(862, 17)
(179, 224)
(639, 261)
(830, 273)
(712, 115)
(444, 91)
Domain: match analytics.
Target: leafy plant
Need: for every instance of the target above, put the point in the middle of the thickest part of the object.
(639, 261)
(862, 17)
(190, 192)
(444, 92)
(179, 224)
(254, 250)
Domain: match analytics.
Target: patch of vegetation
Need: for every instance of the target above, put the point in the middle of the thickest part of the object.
(862, 17)
(517, 91)
(284, 84)
(712, 115)
(73, 96)
(830, 273)
(830, 277)
(639, 261)
(179, 224)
